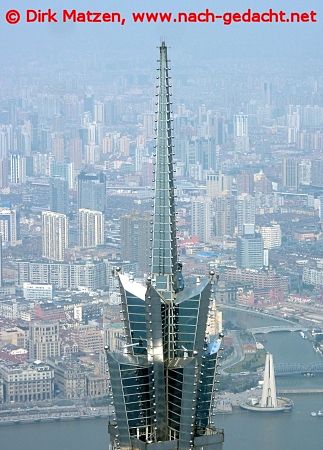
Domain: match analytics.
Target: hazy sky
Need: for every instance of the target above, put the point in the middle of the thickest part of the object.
(203, 41)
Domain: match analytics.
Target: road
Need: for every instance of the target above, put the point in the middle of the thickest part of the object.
(238, 353)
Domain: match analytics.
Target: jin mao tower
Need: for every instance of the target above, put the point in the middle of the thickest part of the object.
(164, 382)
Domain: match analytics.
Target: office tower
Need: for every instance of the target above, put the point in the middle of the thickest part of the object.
(290, 174)
(304, 172)
(321, 208)
(54, 235)
(5, 132)
(111, 112)
(59, 195)
(163, 383)
(207, 153)
(250, 251)
(91, 191)
(224, 215)
(17, 165)
(267, 93)
(262, 184)
(317, 173)
(124, 146)
(214, 127)
(9, 226)
(3, 173)
(246, 211)
(91, 228)
(217, 184)
(241, 133)
(89, 104)
(245, 183)
(1, 271)
(58, 147)
(272, 235)
(293, 123)
(202, 219)
(40, 163)
(44, 341)
(135, 239)
(75, 152)
(148, 124)
(63, 170)
(99, 112)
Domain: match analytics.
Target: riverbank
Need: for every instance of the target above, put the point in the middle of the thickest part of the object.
(54, 414)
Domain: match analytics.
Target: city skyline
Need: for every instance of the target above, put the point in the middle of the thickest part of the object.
(208, 237)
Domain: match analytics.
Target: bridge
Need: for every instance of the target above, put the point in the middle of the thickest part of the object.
(273, 328)
(301, 391)
(284, 369)
(264, 314)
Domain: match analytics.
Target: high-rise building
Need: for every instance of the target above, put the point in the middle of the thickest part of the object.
(304, 172)
(3, 173)
(91, 189)
(164, 381)
(59, 195)
(321, 207)
(246, 211)
(317, 173)
(217, 184)
(272, 235)
(245, 183)
(44, 341)
(17, 169)
(241, 133)
(293, 123)
(135, 234)
(64, 170)
(202, 219)
(250, 251)
(9, 226)
(290, 174)
(224, 215)
(54, 235)
(91, 228)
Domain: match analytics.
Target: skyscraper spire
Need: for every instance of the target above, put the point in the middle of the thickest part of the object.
(163, 383)
(164, 266)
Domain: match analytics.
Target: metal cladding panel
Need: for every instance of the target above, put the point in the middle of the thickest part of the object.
(192, 307)
(119, 401)
(155, 353)
(134, 314)
(187, 423)
(206, 388)
(131, 388)
(201, 330)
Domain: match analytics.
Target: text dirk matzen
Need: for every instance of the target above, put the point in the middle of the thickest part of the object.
(71, 15)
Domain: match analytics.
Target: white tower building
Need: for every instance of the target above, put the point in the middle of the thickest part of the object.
(269, 396)
(54, 235)
(91, 228)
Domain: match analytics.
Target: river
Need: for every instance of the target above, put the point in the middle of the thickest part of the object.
(244, 430)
